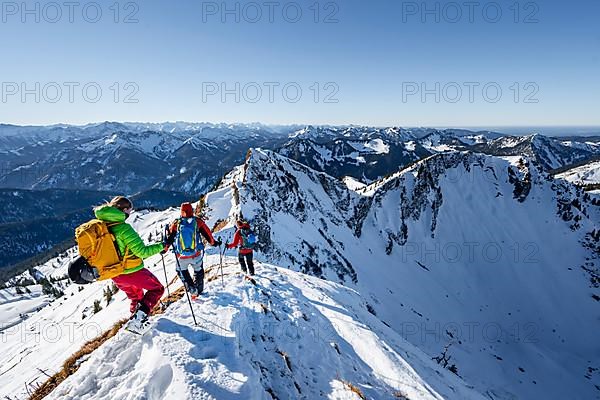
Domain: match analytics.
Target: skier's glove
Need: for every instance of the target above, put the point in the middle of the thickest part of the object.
(168, 240)
(164, 251)
(218, 242)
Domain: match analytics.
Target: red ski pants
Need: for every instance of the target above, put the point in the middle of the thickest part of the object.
(134, 285)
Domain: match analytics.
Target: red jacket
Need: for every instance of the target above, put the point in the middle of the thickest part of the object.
(203, 229)
(238, 241)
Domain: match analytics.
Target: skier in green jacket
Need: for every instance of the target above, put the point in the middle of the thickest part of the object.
(135, 279)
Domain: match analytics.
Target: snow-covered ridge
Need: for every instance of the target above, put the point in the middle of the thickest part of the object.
(455, 239)
(293, 336)
(588, 174)
(484, 265)
(135, 157)
(549, 153)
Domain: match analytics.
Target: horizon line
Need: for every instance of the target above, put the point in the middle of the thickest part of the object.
(420, 126)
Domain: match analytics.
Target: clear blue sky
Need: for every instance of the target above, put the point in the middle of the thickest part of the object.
(376, 58)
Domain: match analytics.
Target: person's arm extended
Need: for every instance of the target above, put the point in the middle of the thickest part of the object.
(135, 244)
(205, 232)
(171, 233)
(237, 240)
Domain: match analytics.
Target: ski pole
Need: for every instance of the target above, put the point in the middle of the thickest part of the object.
(223, 255)
(186, 291)
(166, 279)
(221, 262)
(165, 235)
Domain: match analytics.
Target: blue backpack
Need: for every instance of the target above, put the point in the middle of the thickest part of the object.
(188, 242)
(249, 238)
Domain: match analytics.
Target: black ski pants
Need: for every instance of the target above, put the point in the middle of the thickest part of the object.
(246, 263)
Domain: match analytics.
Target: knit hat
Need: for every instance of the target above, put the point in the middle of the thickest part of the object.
(187, 211)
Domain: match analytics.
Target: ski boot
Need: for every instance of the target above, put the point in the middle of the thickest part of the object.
(138, 323)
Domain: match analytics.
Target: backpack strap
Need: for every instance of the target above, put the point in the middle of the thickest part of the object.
(92, 242)
(124, 260)
(114, 239)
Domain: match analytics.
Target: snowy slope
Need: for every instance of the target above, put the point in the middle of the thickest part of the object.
(14, 306)
(153, 144)
(44, 339)
(590, 144)
(353, 184)
(550, 153)
(503, 276)
(464, 276)
(490, 261)
(583, 175)
(294, 336)
(312, 337)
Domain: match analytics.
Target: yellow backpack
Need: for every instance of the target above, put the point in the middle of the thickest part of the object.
(97, 246)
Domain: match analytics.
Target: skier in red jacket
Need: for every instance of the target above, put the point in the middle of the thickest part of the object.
(245, 254)
(186, 234)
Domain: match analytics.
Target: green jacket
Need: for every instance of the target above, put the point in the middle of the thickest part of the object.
(128, 241)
